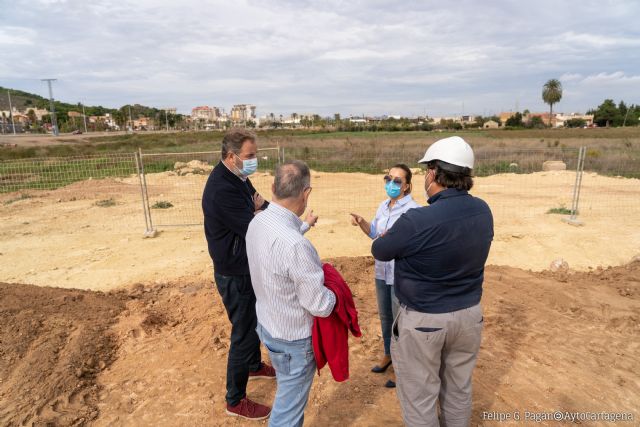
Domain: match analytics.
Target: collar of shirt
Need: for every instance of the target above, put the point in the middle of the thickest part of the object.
(291, 220)
(243, 178)
(445, 194)
(400, 202)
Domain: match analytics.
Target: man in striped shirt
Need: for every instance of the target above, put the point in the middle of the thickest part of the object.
(288, 282)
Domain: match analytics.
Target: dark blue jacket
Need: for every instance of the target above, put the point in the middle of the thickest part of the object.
(439, 251)
(228, 209)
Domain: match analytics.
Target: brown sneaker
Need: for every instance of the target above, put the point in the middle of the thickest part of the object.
(250, 410)
(265, 372)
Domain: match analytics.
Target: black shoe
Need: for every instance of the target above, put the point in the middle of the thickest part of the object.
(390, 384)
(380, 369)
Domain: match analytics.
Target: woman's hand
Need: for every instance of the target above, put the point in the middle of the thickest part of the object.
(311, 218)
(356, 219)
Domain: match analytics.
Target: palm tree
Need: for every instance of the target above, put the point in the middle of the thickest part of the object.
(552, 94)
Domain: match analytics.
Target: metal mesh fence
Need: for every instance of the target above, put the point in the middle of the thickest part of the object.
(611, 183)
(344, 180)
(71, 184)
(512, 181)
(175, 181)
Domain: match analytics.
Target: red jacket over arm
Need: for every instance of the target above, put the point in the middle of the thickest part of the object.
(330, 335)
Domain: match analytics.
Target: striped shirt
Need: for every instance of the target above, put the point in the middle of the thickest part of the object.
(286, 274)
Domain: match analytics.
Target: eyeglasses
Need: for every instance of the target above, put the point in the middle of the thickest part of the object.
(388, 178)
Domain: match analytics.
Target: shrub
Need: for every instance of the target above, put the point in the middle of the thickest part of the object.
(22, 196)
(106, 203)
(162, 204)
(561, 210)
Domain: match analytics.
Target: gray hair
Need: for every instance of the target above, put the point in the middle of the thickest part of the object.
(292, 178)
(233, 140)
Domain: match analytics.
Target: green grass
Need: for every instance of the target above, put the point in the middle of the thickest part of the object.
(380, 135)
(560, 211)
(106, 203)
(613, 152)
(162, 204)
(22, 196)
(49, 174)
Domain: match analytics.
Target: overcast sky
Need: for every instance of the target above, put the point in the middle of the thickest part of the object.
(353, 57)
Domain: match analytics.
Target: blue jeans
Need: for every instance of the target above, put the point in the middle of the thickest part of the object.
(388, 310)
(295, 366)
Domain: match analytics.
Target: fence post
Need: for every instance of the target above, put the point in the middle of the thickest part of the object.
(144, 205)
(150, 231)
(573, 219)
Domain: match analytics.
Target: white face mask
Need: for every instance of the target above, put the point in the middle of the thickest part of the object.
(426, 192)
(249, 166)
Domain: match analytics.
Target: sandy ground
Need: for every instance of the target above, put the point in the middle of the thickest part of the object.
(154, 354)
(63, 238)
(151, 351)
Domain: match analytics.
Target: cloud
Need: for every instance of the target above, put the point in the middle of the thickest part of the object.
(16, 36)
(598, 41)
(569, 77)
(617, 78)
(373, 57)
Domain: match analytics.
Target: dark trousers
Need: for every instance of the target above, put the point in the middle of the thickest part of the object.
(244, 352)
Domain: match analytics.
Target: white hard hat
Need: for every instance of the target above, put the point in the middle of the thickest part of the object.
(453, 150)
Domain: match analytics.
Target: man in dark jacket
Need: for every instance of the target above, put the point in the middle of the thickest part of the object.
(229, 203)
(439, 253)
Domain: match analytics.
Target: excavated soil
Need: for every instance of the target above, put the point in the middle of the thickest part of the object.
(53, 345)
(154, 354)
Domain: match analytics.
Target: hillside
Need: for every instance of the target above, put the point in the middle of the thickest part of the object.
(24, 100)
(21, 100)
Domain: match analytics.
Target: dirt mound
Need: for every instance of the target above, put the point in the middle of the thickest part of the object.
(563, 341)
(53, 344)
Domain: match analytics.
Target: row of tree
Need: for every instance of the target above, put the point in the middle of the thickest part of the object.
(609, 114)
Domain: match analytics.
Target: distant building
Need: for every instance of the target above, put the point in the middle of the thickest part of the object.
(39, 112)
(171, 110)
(243, 113)
(206, 113)
(504, 116)
(455, 119)
(107, 120)
(561, 119)
(143, 123)
(543, 116)
(491, 124)
(20, 118)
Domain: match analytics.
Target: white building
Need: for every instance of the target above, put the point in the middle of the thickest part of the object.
(561, 119)
(206, 113)
(243, 112)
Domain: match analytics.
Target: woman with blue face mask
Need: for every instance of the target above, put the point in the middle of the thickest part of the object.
(397, 185)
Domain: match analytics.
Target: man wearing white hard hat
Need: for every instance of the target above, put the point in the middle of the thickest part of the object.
(439, 252)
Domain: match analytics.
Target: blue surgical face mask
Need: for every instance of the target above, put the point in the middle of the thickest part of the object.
(393, 189)
(249, 166)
